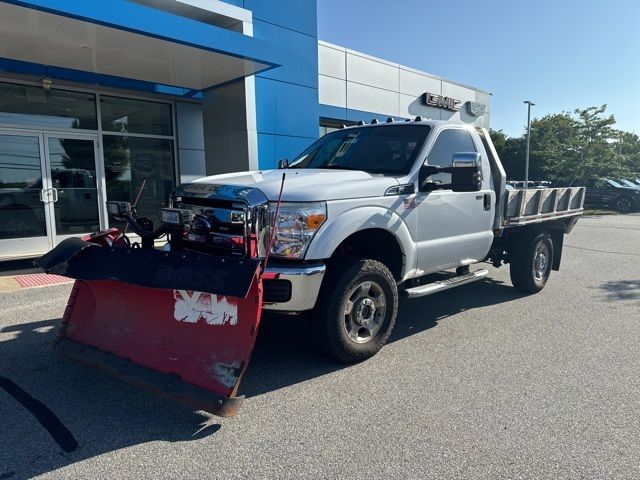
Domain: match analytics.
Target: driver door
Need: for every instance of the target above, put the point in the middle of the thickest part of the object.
(454, 228)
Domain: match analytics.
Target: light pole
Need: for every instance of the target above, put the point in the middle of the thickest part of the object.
(526, 162)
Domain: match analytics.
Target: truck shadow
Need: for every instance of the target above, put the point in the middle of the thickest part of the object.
(285, 355)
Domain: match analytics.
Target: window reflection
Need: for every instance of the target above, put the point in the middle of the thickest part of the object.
(34, 106)
(128, 162)
(135, 116)
(73, 175)
(21, 211)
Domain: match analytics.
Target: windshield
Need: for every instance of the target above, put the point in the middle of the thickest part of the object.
(387, 150)
(614, 183)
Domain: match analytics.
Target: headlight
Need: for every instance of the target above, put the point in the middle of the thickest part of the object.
(295, 226)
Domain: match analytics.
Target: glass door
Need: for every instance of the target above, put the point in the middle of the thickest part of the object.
(51, 187)
(24, 223)
(74, 181)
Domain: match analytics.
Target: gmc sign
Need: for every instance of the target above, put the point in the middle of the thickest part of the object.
(439, 101)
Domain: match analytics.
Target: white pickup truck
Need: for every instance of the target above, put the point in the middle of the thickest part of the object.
(373, 211)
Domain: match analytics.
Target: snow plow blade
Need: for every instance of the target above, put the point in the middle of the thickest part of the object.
(181, 324)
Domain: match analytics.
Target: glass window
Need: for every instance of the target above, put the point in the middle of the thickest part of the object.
(130, 162)
(135, 116)
(387, 150)
(37, 107)
(448, 143)
(21, 211)
(73, 175)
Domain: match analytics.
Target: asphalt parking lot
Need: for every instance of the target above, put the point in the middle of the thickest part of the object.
(477, 382)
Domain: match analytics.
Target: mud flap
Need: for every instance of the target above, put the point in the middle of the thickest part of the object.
(179, 324)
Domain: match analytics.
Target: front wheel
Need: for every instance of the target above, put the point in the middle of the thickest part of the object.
(624, 205)
(531, 260)
(356, 309)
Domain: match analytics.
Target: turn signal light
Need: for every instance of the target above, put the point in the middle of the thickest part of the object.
(315, 220)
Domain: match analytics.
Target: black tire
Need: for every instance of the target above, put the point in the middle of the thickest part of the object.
(530, 251)
(624, 204)
(343, 335)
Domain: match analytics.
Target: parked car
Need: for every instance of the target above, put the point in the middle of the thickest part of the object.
(630, 183)
(602, 192)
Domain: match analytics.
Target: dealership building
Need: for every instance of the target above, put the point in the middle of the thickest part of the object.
(124, 99)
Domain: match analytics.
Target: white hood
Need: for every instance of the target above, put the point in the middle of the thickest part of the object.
(307, 185)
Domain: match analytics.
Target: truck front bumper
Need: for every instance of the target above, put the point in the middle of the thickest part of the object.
(292, 288)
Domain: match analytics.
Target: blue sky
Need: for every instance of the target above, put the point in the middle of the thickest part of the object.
(562, 54)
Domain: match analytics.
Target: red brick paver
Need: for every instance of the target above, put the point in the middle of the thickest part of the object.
(39, 279)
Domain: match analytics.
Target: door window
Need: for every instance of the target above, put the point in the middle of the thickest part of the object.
(448, 143)
(73, 177)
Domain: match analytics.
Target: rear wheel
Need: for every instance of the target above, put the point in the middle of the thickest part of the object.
(356, 309)
(624, 205)
(531, 260)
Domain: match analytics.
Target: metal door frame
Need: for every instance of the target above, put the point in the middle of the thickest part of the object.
(28, 246)
(100, 181)
(25, 247)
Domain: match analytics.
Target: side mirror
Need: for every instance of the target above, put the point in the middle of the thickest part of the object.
(466, 172)
(283, 163)
(425, 172)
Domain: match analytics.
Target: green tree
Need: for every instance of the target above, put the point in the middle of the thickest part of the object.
(555, 148)
(511, 151)
(572, 148)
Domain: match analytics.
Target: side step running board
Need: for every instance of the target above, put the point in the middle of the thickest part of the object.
(435, 287)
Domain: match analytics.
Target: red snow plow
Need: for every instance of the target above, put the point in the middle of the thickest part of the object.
(178, 322)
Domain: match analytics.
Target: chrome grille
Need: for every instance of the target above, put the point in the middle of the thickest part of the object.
(233, 227)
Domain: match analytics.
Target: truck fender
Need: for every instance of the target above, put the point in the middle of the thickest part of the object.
(337, 229)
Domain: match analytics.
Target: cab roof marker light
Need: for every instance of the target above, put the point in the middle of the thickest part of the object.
(374, 121)
(418, 119)
(360, 123)
(408, 120)
(390, 120)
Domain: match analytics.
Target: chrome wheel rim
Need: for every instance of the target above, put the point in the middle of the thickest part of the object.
(541, 261)
(364, 311)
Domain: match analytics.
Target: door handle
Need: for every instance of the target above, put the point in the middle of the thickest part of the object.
(54, 191)
(42, 190)
(487, 202)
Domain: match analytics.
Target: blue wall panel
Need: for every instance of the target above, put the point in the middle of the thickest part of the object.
(298, 15)
(286, 109)
(286, 97)
(299, 51)
(272, 148)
